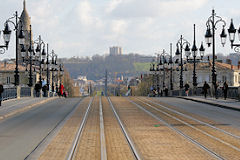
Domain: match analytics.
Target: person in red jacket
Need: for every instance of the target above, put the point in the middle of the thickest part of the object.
(61, 89)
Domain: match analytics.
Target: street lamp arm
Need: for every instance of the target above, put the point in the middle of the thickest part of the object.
(2, 50)
(39, 43)
(209, 21)
(12, 22)
(237, 48)
(184, 42)
(220, 20)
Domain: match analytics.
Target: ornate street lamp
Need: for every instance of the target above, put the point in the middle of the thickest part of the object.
(19, 39)
(30, 55)
(6, 38)
(211, 24)
(61, 72)
(194, 59)
(179, 52)
(41, 54)
(232, 32)
(163, 62)
(153, 71)
(53, 67)
(171, 69)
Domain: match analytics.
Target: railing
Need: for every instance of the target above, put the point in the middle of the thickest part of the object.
(233, 92)
(14, 92)
(9, 93)
(25, 92)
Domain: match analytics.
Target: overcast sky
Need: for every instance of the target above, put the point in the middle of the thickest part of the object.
(88, 27)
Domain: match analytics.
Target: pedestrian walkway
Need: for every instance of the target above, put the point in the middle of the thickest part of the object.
(13, 106)
(228, 103)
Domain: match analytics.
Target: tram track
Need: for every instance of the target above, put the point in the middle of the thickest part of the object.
(126, 134)
(201, 133)
(101, 150)
(79, 132)
(34, 153)
(192, 118)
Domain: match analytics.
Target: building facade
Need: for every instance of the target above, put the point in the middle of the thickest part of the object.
(225, 73)
(115, 50)
(7, 72)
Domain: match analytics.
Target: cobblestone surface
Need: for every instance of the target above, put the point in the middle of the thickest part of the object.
(60, 145)
(117, 146)
(216, 141)
(153, 139)
(89, 145)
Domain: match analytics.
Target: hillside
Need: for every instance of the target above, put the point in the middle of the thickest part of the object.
(95, 67)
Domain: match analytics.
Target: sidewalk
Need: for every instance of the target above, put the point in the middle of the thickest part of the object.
(228, 103)
(14, 106)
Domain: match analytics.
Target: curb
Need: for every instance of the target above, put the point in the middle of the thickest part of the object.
(213, 104)
(25, 108)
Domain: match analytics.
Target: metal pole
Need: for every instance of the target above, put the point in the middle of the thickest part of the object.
(106, 83)
(40, 59)
(52, 71)
(163, 70)
(30, 46)
(47, 67)
(214, 76)
(181, 73)
(194, 63)
(16, 76)
(171, 72)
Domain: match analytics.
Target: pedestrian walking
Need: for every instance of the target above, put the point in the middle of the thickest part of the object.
(45, 89)
(37, 89)
(205, 89)
(166, 91)
(61, 89)
(186, 86)
(158, 91)
(1, 91)
(225, 90)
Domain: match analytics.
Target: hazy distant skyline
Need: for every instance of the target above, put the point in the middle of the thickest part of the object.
(88, 27)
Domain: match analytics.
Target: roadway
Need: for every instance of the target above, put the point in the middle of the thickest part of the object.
(152, 128)
(223, 116)
(21, 133)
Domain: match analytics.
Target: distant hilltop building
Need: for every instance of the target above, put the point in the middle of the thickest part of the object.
(115, 50)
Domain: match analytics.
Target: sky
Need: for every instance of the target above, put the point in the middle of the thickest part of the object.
(88, 27)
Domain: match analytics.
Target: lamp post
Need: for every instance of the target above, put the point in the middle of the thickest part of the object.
(153, 71)
(232, 32)
(19, 39)
(171, 70)
(179, 52)
(194, 59)
(61, 72)
(31, 56)
(157, 71)
(194, 54)
(41, 56)
(53, 67)
(47, 62)
(163, 62)
(211, 24)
